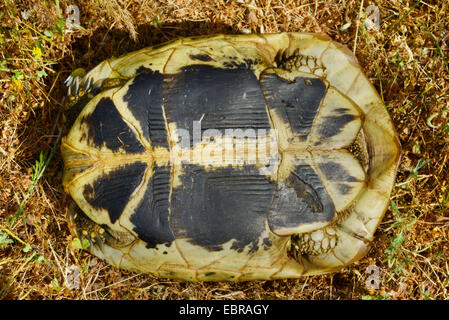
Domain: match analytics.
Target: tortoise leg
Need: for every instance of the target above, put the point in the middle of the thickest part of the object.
(97, 235)
(77, 97)
(73, 83)
(81, 89)
(314, 243)
(306, 64)
(85, 228)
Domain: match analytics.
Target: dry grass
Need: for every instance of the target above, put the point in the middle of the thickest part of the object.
(406, 59)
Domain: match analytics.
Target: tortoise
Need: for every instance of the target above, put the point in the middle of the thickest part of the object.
(229, 158)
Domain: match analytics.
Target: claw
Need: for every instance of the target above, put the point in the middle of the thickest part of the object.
(77, 85)
(89, 83)
(73, 81)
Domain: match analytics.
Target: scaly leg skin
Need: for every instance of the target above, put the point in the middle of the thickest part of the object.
(302, 63)
(314, 243)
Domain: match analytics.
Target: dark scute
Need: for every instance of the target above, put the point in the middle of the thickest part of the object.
(335, 172)
(246, 64)
(342, 110)
(211, 208)
(267, 243)
(107, 128)
(144, 98)
(296, 102)
(301, 200)
(344, 189)
(306, 192)
(113, 190)
(201, 57)
(334, 125)
(222, 98)
(151, 217)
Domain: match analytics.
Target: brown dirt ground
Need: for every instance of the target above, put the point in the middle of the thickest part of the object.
(406, 59)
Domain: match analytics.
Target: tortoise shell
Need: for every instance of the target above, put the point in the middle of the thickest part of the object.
(229, 157)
